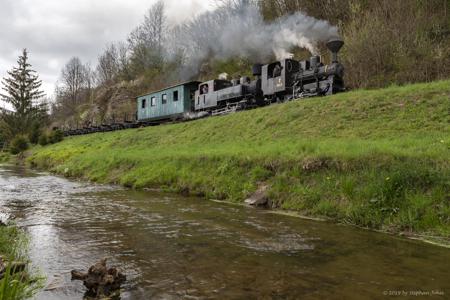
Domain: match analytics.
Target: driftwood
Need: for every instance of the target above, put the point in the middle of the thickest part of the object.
(99, 280)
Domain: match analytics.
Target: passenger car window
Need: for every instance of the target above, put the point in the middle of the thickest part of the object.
(143, 103)
(175, 96)
(164, 98)
(153, 101)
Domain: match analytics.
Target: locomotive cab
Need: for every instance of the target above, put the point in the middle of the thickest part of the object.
(206, 95)
(277, 76)
(216, 94)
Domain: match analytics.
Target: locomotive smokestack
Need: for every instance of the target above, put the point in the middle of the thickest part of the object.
(334, 46)
(257, 69)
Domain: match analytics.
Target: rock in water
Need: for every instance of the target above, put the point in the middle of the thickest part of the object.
(259, 198)
(99, 280)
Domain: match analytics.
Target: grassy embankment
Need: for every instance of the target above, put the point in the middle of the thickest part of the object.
(13, 245)
(4, 157)
(378, 158)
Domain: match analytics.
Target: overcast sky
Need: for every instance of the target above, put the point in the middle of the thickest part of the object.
(53, 31)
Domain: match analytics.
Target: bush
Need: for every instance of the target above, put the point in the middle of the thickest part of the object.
(43, 139)
(34, 134)
(19, 144)
(55, 136)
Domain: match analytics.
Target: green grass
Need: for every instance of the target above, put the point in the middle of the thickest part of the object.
(376, 158)
(4, 157)
(13, 245)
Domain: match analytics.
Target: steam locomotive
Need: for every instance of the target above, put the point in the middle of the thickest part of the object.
(279, 81)
(276, 82)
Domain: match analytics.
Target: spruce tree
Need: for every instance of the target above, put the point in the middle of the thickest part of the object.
(22, 87)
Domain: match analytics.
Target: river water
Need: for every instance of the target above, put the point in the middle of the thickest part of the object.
(173, 247)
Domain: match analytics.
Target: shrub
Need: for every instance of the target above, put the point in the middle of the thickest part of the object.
(18, 144)
(55, 136)
(43, 139)
(34, 134)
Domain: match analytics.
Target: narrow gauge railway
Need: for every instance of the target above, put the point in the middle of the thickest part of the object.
(280, 81)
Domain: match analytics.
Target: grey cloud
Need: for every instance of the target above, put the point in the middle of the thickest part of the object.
(55, 30)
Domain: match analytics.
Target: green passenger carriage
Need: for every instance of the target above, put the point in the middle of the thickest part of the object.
(170, 103)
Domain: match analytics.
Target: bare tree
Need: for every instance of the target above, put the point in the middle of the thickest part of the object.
(108, 65)
(73, 80)
(146, 41)
(91, 79)
(124, 61)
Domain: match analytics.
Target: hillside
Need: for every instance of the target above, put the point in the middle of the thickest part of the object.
(374, 158)
(237, 34)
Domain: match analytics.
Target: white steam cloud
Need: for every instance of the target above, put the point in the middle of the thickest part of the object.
(241, 31)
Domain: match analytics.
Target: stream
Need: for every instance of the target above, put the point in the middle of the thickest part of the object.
(175, 247)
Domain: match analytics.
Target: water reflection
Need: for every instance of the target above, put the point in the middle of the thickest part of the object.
(176, 248)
